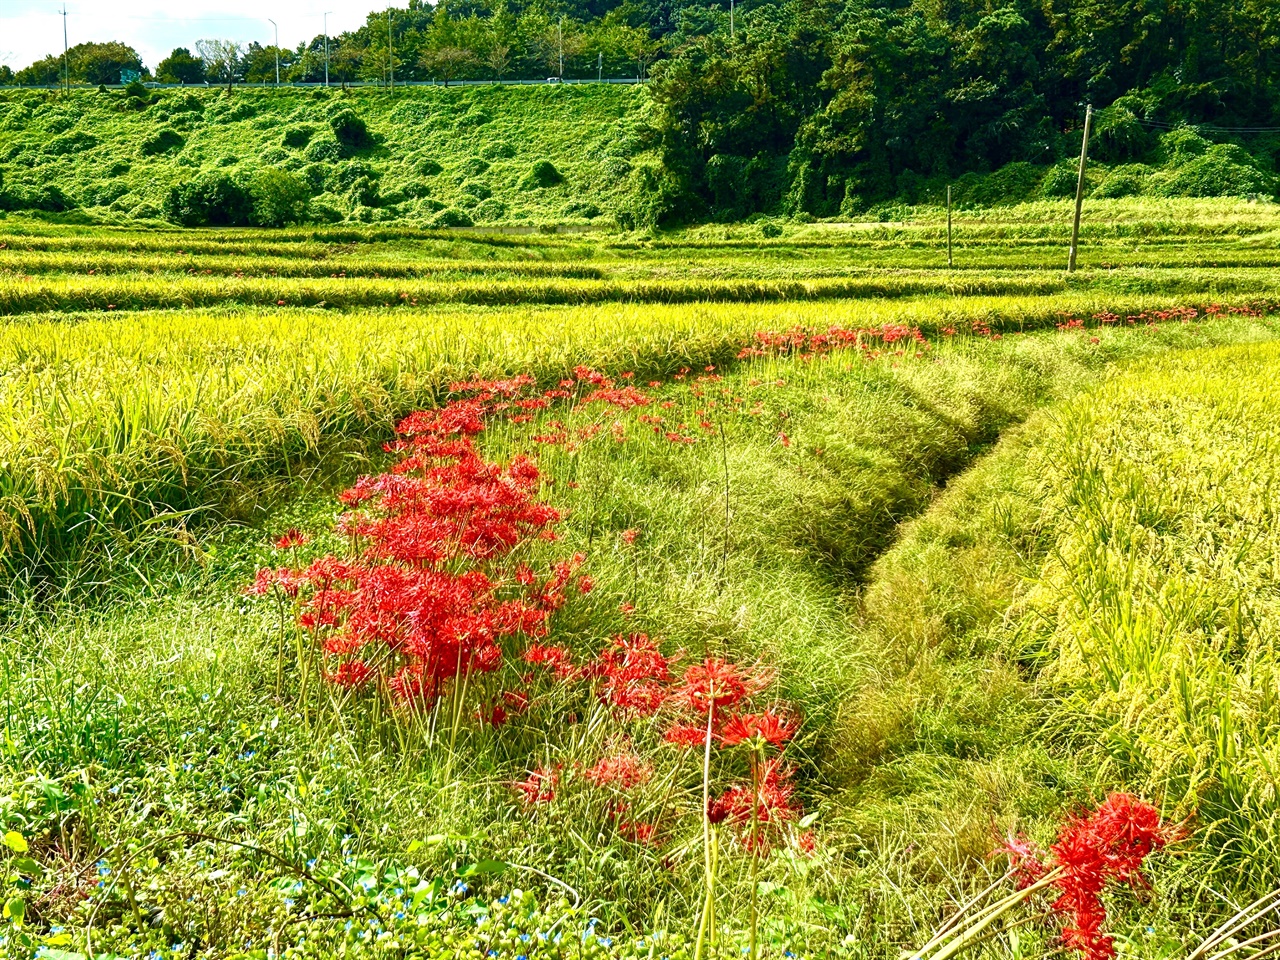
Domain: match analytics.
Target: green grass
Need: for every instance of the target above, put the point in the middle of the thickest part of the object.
(998, 575)
(160, 704)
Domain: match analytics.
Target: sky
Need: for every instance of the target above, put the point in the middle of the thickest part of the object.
(30, 29)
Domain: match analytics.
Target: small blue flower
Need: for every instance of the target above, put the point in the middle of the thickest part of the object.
(503, 900)
(605, 941)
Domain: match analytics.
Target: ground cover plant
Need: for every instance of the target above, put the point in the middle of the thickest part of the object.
(733, 627)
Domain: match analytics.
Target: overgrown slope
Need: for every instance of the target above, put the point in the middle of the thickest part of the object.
(518, 155)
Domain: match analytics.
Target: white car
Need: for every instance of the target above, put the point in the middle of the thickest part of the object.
(553, 79)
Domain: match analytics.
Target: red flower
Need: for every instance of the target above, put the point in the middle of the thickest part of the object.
(644, 834)
(770, 727)
(622, 770)
(807, 843)
(685, 735)
(540, 786)
(716, 685)
(352, 673)
(291, 538)
(629, 536)
(1108, 845)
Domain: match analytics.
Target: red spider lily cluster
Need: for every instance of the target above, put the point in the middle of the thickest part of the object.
(1068, 321)
(706, 705)
(1106, 846)
(426, 597)
(803, 342)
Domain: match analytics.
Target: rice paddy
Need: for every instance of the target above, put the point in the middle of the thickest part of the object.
(989, 544)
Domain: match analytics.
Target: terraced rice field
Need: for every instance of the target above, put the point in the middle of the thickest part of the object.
(732, 595)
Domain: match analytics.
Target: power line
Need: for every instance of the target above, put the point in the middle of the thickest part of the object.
(1166, 125)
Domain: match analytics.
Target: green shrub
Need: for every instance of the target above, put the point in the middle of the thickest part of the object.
(1224, 170)
(1060, 181)
(542, 174)
(137, 90)
(298, 135)
(426, 167)
(583, 209)
(473, 166)
(1118, 135)
(213, 199)
(490, 210)
(363, 192)
(477, 189)
(1012, 183)
(471, 120)
(1124, 181)
(323, 210)
(500, 150)
(450, 217)
(349, 130)
(323, 150)
(70, 143)
(279, 197)
(160, 141)
(770, 230)
(1180, 146)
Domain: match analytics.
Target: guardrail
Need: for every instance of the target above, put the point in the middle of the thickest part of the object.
(309, 85)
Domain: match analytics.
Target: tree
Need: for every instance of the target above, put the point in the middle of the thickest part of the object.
(6, 75)
(42, 73)
(99, 63)
(345, 61)
(221, 59)
(181, 67)
(498, 59)
(445, 63)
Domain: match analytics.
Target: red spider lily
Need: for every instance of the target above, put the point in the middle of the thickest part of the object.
(285, 580)
(554, 658)
(291, 538)
(624, 770)
(1108, 845)
(645, 834)
(540, 786)
(807, 843)
(494, 715)
(685, 735)
(624, 398)
(1026, 860)
(636, 675)
(716, 685)
(352, 673)
(757, 811)
(629, 536)
(768, 727)
(517, 700)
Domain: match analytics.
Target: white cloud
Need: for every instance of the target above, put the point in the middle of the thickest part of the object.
(30, 29)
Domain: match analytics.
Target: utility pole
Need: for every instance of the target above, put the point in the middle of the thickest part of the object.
(948, 226)
(277, 29)
(731, 32)
(1084, 155)
(66, 62)
(599, 66)
(391, 55)
(560, 39)
(326, 46)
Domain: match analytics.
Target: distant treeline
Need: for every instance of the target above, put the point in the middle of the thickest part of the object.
(829, 106)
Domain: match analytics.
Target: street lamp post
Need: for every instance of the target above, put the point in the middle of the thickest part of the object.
(326, 46)
(277, 29)
(560, 40)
